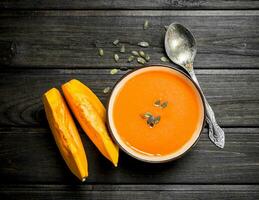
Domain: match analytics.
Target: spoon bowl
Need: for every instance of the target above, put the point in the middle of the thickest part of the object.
(180, 45)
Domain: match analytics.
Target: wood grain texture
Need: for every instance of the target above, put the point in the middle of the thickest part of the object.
(68, 39)
(30, 155)
(141, 192)
(34, 42)
(129, 4)
(232, 94)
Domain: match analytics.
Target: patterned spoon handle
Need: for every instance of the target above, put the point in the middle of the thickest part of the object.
(216, 134)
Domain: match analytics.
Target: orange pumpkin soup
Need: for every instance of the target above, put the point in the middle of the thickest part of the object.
(168, 96)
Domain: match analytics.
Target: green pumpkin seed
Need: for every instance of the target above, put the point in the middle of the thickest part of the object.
(143, 44)
(135, 53)
(116, 42)
(164, 59)
(147, 115)
(141, 60)
(101, 52)
(130, 58)
(157, 103)
(164, 105)
(122, 50)
(106, 90)
(116, 57)
(142, 54)
(145, 26)
(114, 71)
(147, 57)
(151, 121)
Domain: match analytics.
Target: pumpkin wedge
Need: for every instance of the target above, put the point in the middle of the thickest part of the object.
(90, 113)
(65, 133)
(83, 91)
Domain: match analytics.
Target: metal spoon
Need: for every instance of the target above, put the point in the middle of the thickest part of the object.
(180, 46)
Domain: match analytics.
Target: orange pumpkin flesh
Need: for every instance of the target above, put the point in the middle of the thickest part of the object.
(65, 133)
(90, 113)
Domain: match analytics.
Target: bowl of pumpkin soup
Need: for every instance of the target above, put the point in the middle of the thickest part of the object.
(155, 113)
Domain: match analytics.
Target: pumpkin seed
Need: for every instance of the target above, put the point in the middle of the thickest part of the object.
(106, 90)
(101, 52)
(114, 71)
(157, 103)
(164, 59)
(143, 44)
(147, 57)
(147, 115)
(157, 119)
(151, 121)
(130, 58)
(116, 57)
(145, 26)
(116, 42)
(122, 50)
(164, 105)
(135, 53)
(141, 60)
(142, 54)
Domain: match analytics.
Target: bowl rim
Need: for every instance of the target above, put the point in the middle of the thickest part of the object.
(186, 74)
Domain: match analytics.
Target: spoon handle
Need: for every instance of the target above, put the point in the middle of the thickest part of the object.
(216, 134)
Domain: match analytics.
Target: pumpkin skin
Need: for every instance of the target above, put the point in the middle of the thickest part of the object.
(90, 113)
(65, 133)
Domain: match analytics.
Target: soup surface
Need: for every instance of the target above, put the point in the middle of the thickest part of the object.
(181, 115)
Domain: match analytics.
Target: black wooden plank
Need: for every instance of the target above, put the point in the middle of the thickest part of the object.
(129, 4)
(232, 94)
(66, 39)
(30, 155)
(142, 192)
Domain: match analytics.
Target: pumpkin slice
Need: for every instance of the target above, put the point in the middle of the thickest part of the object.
(90, 113)
(65, 133)
(83, 91)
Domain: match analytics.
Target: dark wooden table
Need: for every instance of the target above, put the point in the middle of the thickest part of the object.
(46, 43)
